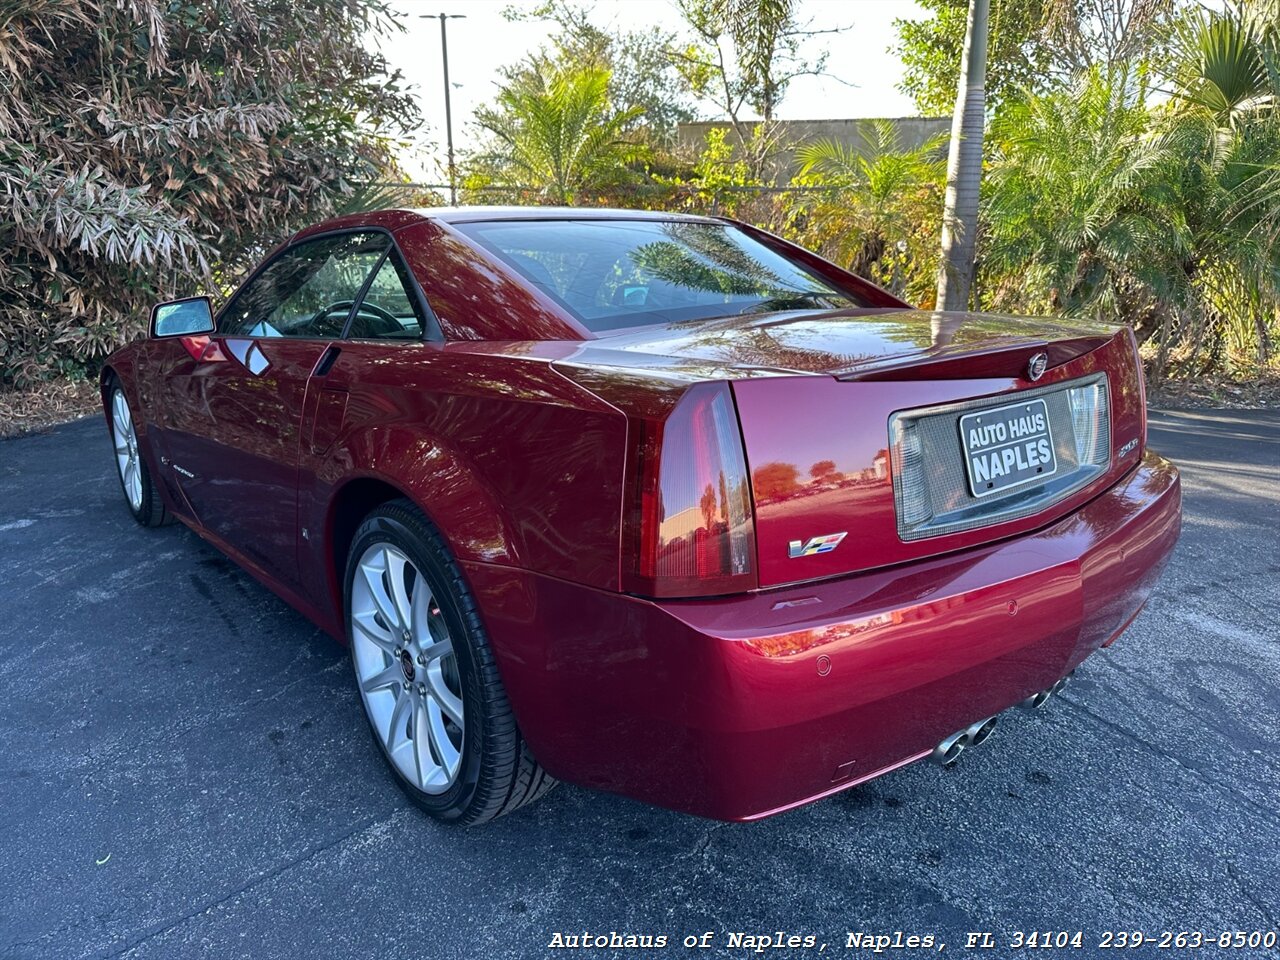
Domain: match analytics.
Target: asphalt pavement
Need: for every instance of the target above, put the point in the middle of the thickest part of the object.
(184, 771)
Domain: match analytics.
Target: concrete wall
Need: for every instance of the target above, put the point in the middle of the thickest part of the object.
(913, 132)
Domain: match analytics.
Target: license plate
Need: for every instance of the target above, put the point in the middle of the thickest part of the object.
(1005, 447)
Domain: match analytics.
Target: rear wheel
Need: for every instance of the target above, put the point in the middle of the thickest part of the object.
(426, 675)
(139, 489)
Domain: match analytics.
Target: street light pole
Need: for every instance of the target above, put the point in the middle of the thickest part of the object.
(448, 112)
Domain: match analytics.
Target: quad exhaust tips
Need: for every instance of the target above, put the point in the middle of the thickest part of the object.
(948, 751)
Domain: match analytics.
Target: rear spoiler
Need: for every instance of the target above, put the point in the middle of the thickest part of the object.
(997, 362)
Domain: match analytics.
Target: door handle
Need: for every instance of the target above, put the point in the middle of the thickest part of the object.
(326, 361)
(203, 350)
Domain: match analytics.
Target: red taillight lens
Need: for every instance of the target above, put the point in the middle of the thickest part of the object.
(690, 527)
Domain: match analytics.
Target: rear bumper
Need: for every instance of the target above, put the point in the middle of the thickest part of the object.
(741, 707)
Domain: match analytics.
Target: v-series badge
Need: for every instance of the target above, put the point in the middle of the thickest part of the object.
(815, 545)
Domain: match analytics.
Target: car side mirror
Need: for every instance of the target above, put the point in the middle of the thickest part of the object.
(182, 318)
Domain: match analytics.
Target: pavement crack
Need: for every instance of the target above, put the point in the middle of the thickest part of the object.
(699, 855)
(314, 850)
(1247, 892)
(1154, 692)
(1174, 758)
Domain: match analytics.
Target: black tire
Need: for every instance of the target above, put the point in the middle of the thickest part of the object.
(497, 772)
(150, 511)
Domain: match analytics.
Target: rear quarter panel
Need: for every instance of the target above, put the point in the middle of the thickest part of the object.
(514, 464)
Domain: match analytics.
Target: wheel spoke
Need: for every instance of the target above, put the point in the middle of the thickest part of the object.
(132, 483)
(378, 635)
(422, 760)
(396, 735)
(389, 676)
(449, 701)
(373, 577)
(448, 753)
(420, 608)
(438, 650)
(428, 626)
(396, 562)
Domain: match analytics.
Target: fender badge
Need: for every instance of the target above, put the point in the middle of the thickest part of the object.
(815, 545)
(1037, 365)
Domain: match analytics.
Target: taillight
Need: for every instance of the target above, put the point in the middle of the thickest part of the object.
(689, 529)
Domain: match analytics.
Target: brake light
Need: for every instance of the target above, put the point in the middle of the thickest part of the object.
(690, 524)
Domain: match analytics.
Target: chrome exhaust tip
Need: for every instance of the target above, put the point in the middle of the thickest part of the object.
(946, 753)
(1037, 700)
(981, 731)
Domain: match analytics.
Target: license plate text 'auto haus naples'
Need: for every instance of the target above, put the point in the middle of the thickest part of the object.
(1007, 447)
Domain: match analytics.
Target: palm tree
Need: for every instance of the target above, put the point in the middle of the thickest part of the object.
(555, 130)
(1223, 67)
(1167, 217)
(1079, 218)
(885, 191)
(964, 166)
(1225, 117)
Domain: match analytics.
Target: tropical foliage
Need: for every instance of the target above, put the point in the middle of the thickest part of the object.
(1034, 44)
(150, 148)
(874, 207)
(1167, 218)
(930, 48)
(1131, 167)
(553, 125)
(645, 84)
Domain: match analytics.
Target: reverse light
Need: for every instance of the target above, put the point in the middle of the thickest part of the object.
(690, 526)
(1091, 422)
(913, 506)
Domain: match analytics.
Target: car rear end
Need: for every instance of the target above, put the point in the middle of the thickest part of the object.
(846, 529)
(822, 579)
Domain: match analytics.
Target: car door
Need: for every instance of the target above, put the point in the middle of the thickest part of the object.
(234, 414)
(385, 347)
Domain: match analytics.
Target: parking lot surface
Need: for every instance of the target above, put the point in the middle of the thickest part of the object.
(184, 770)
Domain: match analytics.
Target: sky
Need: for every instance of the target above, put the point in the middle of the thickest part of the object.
(864, 74)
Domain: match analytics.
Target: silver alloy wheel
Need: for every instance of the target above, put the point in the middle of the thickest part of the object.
(125, 438)
(406, 668)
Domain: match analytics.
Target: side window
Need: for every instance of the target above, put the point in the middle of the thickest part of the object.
(308, 291)
(389, 311)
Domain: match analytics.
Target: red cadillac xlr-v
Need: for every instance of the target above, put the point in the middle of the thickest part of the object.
(661, 505)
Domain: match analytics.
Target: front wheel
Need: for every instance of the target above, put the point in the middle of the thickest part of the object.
(426, 675)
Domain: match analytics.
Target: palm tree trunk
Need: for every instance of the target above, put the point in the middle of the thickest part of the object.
(964, 166)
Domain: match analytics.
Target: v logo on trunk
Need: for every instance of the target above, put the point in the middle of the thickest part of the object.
(815, 545)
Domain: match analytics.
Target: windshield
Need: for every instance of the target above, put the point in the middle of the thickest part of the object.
(612, 274)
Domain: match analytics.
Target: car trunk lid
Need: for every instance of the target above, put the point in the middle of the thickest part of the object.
(859, 344)
(880, 453)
